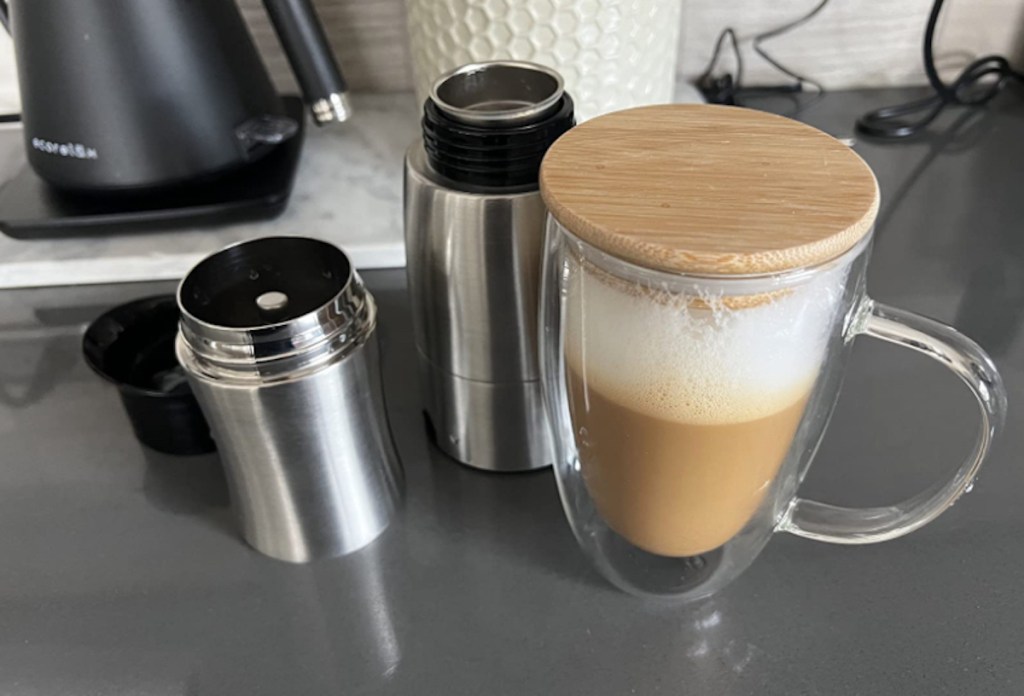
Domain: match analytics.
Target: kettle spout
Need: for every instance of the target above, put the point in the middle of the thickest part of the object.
(312, 60)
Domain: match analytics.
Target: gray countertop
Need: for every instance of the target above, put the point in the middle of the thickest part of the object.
(121, 571)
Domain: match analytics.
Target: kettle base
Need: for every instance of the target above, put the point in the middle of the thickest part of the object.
(30, 208)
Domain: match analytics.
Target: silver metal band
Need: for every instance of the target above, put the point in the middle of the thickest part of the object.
(332, 108)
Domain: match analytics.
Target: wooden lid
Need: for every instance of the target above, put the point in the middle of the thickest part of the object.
(716, 190)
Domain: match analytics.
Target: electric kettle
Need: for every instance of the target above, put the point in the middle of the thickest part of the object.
(123, 95)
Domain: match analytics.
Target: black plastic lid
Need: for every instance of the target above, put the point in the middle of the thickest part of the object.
(132, 346)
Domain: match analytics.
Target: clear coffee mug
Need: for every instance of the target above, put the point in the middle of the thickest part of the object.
(687, 406)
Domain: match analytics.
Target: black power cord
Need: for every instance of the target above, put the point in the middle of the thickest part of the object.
(722, 89)
(728, 88)
(976, 85)
(779, 31)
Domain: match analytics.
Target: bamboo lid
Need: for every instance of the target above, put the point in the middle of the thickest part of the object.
(704, 189)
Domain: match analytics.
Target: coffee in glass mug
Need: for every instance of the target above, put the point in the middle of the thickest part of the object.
(704, 279)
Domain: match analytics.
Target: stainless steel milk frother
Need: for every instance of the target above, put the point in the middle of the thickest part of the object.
(474, 229)
(277, 337)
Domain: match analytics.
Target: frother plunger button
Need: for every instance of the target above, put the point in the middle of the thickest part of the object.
(272, 301)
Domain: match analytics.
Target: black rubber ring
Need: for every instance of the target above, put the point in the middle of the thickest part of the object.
(492, 156)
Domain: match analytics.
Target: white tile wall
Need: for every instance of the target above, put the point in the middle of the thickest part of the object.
(851, 43)
(8, 77)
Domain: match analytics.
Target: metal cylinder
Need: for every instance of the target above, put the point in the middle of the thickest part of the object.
(474, 230)
(277, 337)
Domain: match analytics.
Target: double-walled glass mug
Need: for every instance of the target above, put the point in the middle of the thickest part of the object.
(704, 280)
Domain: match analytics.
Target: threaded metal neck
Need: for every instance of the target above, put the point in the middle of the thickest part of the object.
(498, 93)
(271, 309)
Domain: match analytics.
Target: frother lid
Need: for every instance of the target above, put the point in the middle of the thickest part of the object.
(713, 190)
(132, 346)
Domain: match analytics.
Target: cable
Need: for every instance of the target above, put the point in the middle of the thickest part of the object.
(970, 88)
(722, 90)
(728, 88)
(779, 31)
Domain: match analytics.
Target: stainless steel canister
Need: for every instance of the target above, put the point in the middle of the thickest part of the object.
(277, 337)
(474, 230)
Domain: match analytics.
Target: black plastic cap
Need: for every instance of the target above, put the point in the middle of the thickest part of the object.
(132, 346)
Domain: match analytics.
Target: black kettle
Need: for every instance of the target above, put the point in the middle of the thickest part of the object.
(121, 95)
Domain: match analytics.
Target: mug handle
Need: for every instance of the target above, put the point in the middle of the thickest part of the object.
(842, 525)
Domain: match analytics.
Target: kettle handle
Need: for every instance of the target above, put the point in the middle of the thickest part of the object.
(305, 42)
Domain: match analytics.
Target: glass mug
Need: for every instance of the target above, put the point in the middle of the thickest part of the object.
(686, 409)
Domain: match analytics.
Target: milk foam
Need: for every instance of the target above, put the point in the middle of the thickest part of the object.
(676, 359)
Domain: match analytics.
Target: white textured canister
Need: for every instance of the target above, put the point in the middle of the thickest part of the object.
(613, 54)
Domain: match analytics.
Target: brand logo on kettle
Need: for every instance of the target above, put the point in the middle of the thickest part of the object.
(76, 150)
